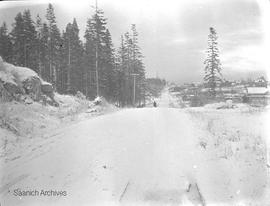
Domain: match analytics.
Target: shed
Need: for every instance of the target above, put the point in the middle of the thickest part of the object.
(258, 96)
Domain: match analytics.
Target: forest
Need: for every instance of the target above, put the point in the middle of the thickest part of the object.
(92, 65)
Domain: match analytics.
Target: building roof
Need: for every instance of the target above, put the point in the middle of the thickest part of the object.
(257, 90)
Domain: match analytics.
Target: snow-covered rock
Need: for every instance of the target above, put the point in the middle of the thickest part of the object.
(17, 80)
(98, 100)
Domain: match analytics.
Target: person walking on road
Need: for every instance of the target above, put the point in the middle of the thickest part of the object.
(154, 104)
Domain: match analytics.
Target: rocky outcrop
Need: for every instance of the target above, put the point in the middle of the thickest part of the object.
(18, 82)
(32, 87)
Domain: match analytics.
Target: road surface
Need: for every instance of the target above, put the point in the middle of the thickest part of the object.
(141, 156)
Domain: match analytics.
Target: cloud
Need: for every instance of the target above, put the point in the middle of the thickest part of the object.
(245, 58)
(173, 33)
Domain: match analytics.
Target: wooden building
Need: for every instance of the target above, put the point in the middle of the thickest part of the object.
(257, 96)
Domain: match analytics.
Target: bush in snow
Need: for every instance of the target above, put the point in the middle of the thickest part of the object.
(80, 95)
(98, 100)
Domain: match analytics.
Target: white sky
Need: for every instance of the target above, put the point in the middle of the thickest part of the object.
(173, 33)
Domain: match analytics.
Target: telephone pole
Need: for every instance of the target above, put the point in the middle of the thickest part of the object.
(134, 87)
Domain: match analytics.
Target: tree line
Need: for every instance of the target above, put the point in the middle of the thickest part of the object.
(93, 66)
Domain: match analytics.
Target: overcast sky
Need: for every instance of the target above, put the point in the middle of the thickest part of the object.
(173, 33)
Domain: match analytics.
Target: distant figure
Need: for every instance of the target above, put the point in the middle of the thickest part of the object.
(154, 104)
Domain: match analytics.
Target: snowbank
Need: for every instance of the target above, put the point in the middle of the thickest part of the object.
(21, 124)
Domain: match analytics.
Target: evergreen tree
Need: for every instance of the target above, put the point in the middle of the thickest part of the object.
(212, 63)
(24, 41)
(18, 40)
(44, 52)
(138, 66)
(96, 53)
(39, 28)
(120, 74)
(5, 44)
(30, 41)
(54, 44)
(131, 68)
(77, 60)
(72, 55)
(127, 65)
(109, 67)
(89, 60)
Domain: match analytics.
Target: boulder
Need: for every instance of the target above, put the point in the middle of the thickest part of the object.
(48, 90)
(32, 87)
(16, 81)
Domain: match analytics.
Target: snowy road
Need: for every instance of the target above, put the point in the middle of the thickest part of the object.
(133, 156)
(150, 149)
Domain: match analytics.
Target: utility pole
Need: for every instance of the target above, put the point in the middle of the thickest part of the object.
(134, 87)
(97, 82)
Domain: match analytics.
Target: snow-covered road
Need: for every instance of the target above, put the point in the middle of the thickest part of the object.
(133, 156)
(149, 149)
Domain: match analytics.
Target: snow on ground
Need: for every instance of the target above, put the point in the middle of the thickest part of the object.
(22, 125)
(147, 156)
(167, 99)
(234, 146)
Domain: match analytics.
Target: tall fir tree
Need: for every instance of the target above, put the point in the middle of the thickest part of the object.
(54, 44)
(96, 54)
(89, 60)
(39, 28)
(109, 67)
(212, 69)
(18, 41)
(120, 74)
(44, 52)
(30, 41)
(72, 56)
(5, 44)
(138, 66)
(131, 68)
(24, 41)
(77, 59)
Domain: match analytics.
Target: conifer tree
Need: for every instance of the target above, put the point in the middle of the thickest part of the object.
(17, 36)
(212, 63)
(54, 44)
(72, 56)
(89, 60)
(130, 63)
(120, 74)
(95, 54)
(138, 66)
(30, 41)
(39, 27)
(44, 52)
(109, 67)
(5, 44)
